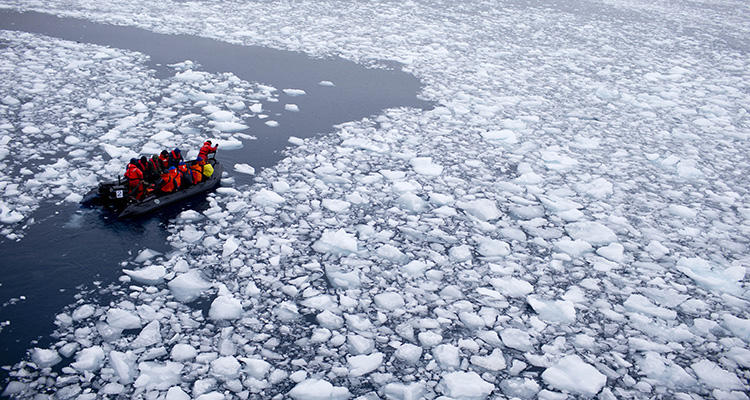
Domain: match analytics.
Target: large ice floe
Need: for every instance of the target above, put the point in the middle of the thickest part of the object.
(570, 221)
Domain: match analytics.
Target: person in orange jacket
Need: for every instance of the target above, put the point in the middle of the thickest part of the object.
(167, 182)
(187, 177)
(196, 170)
(207, 149)
(135, 181)
(176, 177)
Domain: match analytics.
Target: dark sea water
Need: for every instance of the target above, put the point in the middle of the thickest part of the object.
(69, 249)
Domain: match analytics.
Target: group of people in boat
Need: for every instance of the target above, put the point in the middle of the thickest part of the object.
(167, 172)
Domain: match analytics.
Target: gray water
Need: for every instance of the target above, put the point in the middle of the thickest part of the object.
(69, 250)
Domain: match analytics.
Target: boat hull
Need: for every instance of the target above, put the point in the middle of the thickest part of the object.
(112, 196)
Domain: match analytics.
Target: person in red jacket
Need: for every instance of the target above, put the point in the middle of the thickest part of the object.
(207, 149)
(175, 156)
(164, 161)
(135, 181)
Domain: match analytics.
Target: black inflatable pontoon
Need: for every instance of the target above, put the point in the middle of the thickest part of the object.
(114, 195)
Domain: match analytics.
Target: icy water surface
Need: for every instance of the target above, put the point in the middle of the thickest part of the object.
(66, 248)
(570, 222)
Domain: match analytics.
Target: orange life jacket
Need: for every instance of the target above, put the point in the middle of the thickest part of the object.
(197, 171)
(168, 185)
(176, 178)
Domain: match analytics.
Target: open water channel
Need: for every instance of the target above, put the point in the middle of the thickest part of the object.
(69, 250)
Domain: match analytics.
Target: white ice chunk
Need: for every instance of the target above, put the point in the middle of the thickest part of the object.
(504, 136)
(714, 376)
(316, 389)
(225, 307)
(643, 305)
(591, 232)
(228, 126)
(293, 92)
(364, 364)
(336, 242)
(575, 376)
(83, 312)
(230, 246)
(553, 310)
(465, 386)
(447, 356)
(574, 248)
(188, 286)
(664, 371)
(389, 301)
(483, 209)
(183, 352)
(493, 248)
(399, 391)
(267, 198)
(89, 359)
(123, 319)
(291, 107)
(244, 169)
(516, 339)
(656, 250)
(149, 336)
(411, 202)
(158, 376)
(44, 358)
(335, 205)
(225, 368)
(512, 287)
(176, 393)
(599, 188)
(612, 252)
(123, 365)
(740, 327)
(713, 278)
(191, 76)
(425, 166)
(408, 353)
(494, 361)
(255, 367)
(151, 275)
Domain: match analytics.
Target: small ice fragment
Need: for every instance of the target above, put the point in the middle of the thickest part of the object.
(326, 83)
(293, 92)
